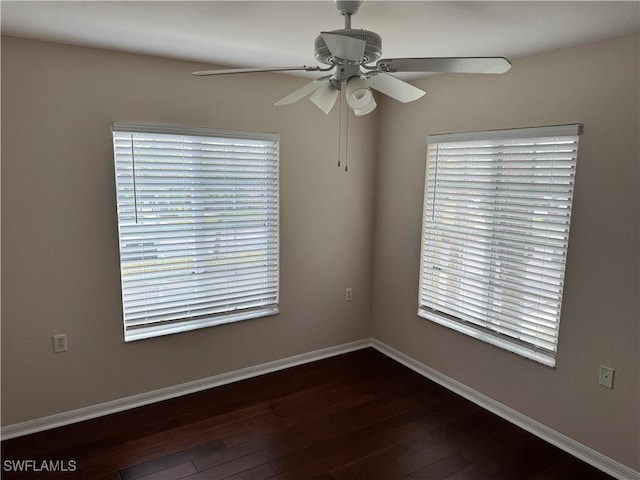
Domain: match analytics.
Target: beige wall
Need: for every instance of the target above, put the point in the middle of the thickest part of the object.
(59, 237)
(596, 85)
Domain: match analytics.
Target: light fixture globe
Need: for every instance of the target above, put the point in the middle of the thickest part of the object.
(358, 93)
(359, 96)
(370, 107)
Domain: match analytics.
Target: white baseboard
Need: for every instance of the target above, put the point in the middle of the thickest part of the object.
(592, 457)
(93, 411)
(598, 460)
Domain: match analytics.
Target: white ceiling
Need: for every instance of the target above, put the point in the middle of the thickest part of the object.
(270, 33)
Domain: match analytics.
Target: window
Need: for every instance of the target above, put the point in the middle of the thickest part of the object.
(497, 208)
(198, 227)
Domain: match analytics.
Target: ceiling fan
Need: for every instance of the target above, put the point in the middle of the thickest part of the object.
(350, 53)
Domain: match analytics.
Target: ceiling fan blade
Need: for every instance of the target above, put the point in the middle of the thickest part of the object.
(325, 97)
(230, 71)
(344, 47)
(302, 92)
(395, 88)
(445, 64)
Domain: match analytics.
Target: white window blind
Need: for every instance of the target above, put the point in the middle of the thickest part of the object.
(497, 209)
(198, 226)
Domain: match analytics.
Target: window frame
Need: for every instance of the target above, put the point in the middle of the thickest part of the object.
(223, 168)
(433, 309)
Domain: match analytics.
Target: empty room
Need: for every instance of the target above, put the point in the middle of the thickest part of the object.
(321, 240)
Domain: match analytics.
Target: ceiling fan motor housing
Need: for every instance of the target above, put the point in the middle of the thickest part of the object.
(372, 51)
(347, 7)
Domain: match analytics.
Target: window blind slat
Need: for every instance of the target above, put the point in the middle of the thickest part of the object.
(140, 277)
(175, 297)
(179, 281)
(198, 226)
(198, 309)
(538, 285)
(503, 324)
(479, 234)
(497, 210)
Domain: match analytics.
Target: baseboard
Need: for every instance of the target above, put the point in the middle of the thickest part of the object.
(592, 457)
(94, 411)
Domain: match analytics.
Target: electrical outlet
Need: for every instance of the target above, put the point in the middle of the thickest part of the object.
(60, 343)
(606, 376)
(348, 294)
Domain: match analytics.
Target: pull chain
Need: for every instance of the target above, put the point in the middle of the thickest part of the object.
(344, 111)
(340, 131)
(346, 143)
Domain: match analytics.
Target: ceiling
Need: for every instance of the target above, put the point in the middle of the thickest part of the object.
(270, 33)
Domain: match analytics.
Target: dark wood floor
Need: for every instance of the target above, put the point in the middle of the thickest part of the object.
(359, 416)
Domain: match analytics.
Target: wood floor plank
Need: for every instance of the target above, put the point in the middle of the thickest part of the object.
(234, 467)
(442, 468)
(141, 450)
(261, 472)
(106, 476)
(278, 443)
(167, 461)
(357, 416)
(175, 472)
